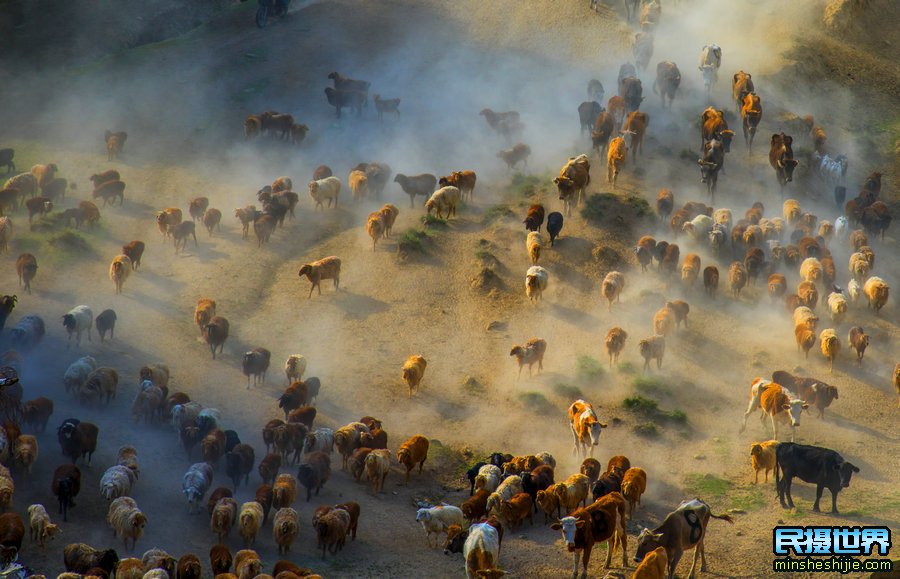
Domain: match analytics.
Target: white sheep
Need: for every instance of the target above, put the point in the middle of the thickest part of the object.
(444, 199)
(837, 306)
(511, 486)
(536, 282)
(854, 290)
(79, 319)
(77, 372)
(436, 520)
(533, 244)
(39, 524)
(126, 520)
(841, 228)
(488, 478)
(699, 227)
(294, 367)
(320, 439)
(811, 270)
(327, 188)
(250, 521)
(211, 415)
(183, 413)
(117, 482)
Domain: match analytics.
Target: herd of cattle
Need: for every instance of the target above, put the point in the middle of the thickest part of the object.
(795, 247)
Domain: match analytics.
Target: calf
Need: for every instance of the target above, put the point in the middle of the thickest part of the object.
(573, 180)
(776, 401)
(604, 125)
(615, 159)
(681, 530)
(633, 133)
(813, 464)
(601, 521)
(586, 428)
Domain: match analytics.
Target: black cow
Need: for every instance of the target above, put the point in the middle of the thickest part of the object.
(609, 482)
(631, 90)
(711, 164)
(813, 464)
(588, 111)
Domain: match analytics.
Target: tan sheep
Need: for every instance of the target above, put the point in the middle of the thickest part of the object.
(531, 353)
(831, 346)
(223, 517)
(389, 215)
(615, 343)
(25, 452)
(325, 268)
(690, 270)
(790, 209)
(533, 244)
(652, 348)
(612, 287)
(413, 371)
(664, 321)
(359, 185)
(285, 527)
(126, 520)
(41, 529)
(811, 270)
(762, 457)
(119, 270)
(805, 337)
(877, 292)
(250, 520)
(375, 227)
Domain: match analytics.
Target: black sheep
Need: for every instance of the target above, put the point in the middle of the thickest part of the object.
(554, 225)
(471, 474)
(106, 322)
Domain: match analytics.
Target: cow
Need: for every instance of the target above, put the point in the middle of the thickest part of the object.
(631, 90)
(627, 70)
(741, 86)
(714, 126)
(781, 158)
(603, 520)
(776, 401)
(633, 132)
(631, 7)
(682, 529)
(668, 77)
(481, 550)
(586, 427)
(603, 130)
(587, 114)
(813, 464)
(832, 170)
(616, 107)
(710, 61)
(815, 392)
(615, 159)
(642, 50)
(710, 165)
(595, 90)
(573, 179)
(751, 113)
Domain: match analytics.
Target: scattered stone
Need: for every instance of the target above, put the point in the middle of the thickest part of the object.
(497, 326)
(699, 457)
(737, 511)
(739, 534)
(780, 521)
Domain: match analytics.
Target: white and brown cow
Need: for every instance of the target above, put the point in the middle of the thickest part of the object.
(601, 521)
(586, 427)
(777, 402)
(710, 61)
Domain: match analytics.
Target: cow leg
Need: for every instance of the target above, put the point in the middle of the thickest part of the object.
(673, 562)
(575, 440)
(750, 408)
(586, 558)
(698, 548)
(775, 428)
(575, 566)
(819, 488)
(834, 494)
(787, 490)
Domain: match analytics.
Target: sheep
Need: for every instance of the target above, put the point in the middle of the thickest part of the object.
(536, 282)
(117, 482)
(25, 183)
(285, 491)
(664, 322)
(220, 559)
(38, 206)
(690, 270)
(65, 486)
(808, 294)
(711, 280)
(612, 287)
(182, 232)
(28, 333)
(7, 488)
(837, 306)
(212, 446)
(876, 291)
(40, 527)
(25, 452)
(77, 439)
(134, 250)
(488, 478)
(512, 157)
(859, 341)
(531, 353)
(804, 316)
(115, 142)
(99, 383)
(830, 345)
(79, 558)
(413, 371)
(6, 159)
(250, 521)
(634, 484)
(325, 189)
(196, 482)
(359, 184)
(325, 268)
(699, 227)
(294, 368)
(7, 305)
(386, 106)
(6, 233)
(160, 563)
(119, 270)
(223, 517)
(378, 465)
(188, 567)
(204, 312)
(437, 520)
(88, 212)
(737, 278)
(413, 451)
(680, 309)
(79, 319)
(109, 191)
(615, 343)
(126, 520)
(37, 413)
(239, 462)
(854, 291)
(331, 530)
(286, 527)
(859, 267)
(762, 457)
(464, 180)
(255, 363)
(215, 333)
(78, 371)
(443, 200)
(652, 348)
(375, 227)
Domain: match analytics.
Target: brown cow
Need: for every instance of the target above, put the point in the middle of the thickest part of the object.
(668, 77)
(741, 86)
(603, 130)
(603, 520)
(586, 427)
(781, 158)
(751, 113)
(573, 180)
(615, 159)
(633, 133)
(714, 126)
(683, 528)
(777, 402)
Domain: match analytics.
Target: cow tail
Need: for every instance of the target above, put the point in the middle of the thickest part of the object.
(722, 517)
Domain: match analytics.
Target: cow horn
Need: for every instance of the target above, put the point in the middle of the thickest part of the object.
(780, 164)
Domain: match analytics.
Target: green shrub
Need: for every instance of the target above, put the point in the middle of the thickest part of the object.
(411, 240)
(567, 391)
(646, 429)
(650, 385)
(641, 405)
(627, 368)
(589, 368)
(495, 213)
(535, 402)
(706, 485)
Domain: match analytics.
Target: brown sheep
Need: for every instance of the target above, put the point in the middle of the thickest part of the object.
(462, 180)
(115, 144)
(331, 530)
(413, 371)
(26, 268)
(665, 201)
(182, 232)
(664, 322)
(806, 338)
(652, 348)
(134, 250)
(634, 484)
(326, 268)
(777, 286)
(168, 219)
(762, 457)
(512, 157)
(413, 451)
(263, 228)
(809, 295)
(375, 227)
(690, 270)
(591, 468)
(204, 312)
(119, 270)
(859, 341)
(389, 215)
(531, 353)
(877, 292)
(89, 213)
(284, 491)
(737, 278)
(681, 309)
(615, 343)
(644, 251)
(612, 287)
(830, 345)
(211, 219)
(220, 559)
(711, 280)
(215, 333)
(38, 206)
(37, 412)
